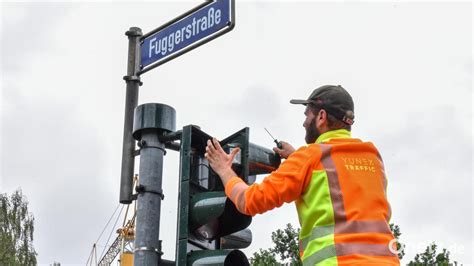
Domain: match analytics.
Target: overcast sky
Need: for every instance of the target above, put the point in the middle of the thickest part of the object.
(407, 65)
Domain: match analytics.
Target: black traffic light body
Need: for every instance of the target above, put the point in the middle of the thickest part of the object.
(209, 225)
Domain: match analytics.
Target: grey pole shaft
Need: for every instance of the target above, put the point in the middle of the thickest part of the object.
(131, 100)
(147, 244)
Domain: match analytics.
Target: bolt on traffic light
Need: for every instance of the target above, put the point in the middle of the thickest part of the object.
(210, 228)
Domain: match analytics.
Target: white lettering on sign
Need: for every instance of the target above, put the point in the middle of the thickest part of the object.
(166, 44)
(218, 16)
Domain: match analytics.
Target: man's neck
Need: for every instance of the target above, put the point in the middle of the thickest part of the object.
(333, 134)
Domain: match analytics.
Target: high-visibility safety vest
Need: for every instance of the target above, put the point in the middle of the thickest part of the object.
(339, 187)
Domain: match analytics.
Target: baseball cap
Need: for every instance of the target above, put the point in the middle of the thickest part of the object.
(334, 99)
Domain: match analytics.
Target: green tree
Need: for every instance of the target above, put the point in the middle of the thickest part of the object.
(263, 257)
(285, 246)
(16, 231)
(430, 257)
(397, 233)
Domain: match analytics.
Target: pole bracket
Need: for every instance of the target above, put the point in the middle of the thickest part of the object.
(149, 249)
(142, 144)
(133, 78)
(136, 152)
(142, 189)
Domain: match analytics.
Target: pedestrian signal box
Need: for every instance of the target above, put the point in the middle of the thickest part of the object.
(210, 228)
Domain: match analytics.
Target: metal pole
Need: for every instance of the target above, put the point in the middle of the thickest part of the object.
(151, 122)
(147, 243)
(131, 100)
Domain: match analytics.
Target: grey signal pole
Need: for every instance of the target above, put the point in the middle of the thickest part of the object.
(147, 243)
(131, 101)
(151, 122)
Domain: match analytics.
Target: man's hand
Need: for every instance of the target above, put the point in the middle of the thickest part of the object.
(285, 151)
(220, 161)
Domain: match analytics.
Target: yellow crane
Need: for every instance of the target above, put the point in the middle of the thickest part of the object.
(123, 243)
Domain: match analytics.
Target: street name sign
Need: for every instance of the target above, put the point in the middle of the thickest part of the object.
(186, 32)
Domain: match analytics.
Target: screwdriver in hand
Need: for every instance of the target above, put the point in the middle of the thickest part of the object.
(275, 140)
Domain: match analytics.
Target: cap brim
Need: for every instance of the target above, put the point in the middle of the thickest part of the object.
(299, 101)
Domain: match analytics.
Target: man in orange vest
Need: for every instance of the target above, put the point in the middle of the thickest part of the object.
(337, 182)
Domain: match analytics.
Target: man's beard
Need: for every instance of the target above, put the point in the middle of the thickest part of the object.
(312, 133)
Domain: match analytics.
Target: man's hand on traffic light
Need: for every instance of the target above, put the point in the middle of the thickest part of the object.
(220, 161)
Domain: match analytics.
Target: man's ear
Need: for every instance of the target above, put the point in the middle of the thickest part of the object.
(322, 117)
(322, 114)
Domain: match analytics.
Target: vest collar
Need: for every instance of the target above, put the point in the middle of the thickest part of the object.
(334, 134)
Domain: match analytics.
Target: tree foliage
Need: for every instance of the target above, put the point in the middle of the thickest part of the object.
(397, 233)
(431, 257)
(16, 231)
(285, 246)
(263, 257)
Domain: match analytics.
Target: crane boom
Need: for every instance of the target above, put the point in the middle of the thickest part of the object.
(123, 243)
(111, 253)
(126, 235)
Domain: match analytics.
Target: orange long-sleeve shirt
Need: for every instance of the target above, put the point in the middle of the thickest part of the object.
(286, 184)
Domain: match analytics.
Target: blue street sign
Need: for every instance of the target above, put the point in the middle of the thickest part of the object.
(186, 32)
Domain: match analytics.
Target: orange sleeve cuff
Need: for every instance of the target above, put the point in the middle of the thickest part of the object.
(230, 185)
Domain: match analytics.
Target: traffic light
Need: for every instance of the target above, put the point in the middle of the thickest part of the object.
(210, 228)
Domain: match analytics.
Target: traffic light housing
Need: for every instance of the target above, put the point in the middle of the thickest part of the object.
(210, 228)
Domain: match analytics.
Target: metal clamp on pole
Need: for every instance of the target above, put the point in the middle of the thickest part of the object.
(148, 249)
(142, 144)
(133, 78)
(153, 249)
(142, 189)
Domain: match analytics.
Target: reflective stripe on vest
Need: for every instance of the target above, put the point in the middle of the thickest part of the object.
(342, 226)
(333, 181)
(346, 228)
(342, 249)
